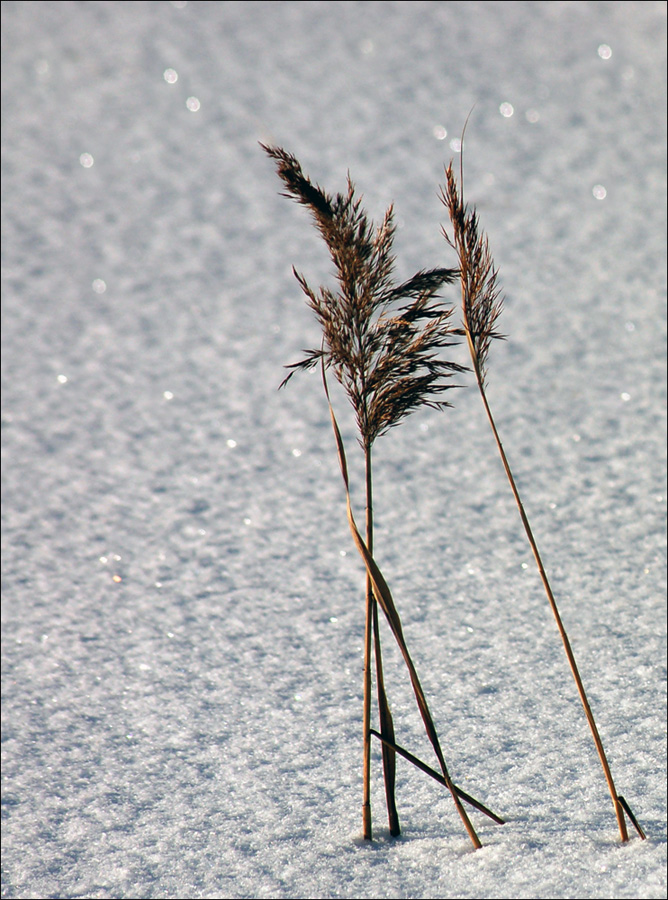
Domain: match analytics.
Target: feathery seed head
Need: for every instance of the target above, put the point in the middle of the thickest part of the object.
(482, 301)
(386, 356)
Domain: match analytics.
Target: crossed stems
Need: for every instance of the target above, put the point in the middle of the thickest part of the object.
(382, 595)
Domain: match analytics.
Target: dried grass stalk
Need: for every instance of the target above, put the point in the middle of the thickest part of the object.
(385, 600)
(481, 308)
(383, 342)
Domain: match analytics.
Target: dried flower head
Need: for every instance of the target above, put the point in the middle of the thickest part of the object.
(386, 355)
(481, 296)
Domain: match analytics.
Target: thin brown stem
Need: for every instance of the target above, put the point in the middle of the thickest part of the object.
(481, 306)
(385, 716)
(366, 710)
(387, 729)
(366, 772)
(619, 812)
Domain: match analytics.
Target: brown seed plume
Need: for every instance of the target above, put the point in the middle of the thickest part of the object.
(386, 355)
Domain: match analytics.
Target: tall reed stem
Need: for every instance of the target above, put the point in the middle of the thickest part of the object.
(385, 716)
(366, 709)
(619, 812)
(481, 307)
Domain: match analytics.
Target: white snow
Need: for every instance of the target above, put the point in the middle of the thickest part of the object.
(182, 602)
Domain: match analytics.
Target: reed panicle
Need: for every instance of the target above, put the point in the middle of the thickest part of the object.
(383, 341)
(386, 356)
(482, 301)
(481, 304)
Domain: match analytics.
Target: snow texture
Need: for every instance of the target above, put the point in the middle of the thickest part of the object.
(182, 602)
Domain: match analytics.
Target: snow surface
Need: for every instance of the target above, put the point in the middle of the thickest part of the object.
(182, 602)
